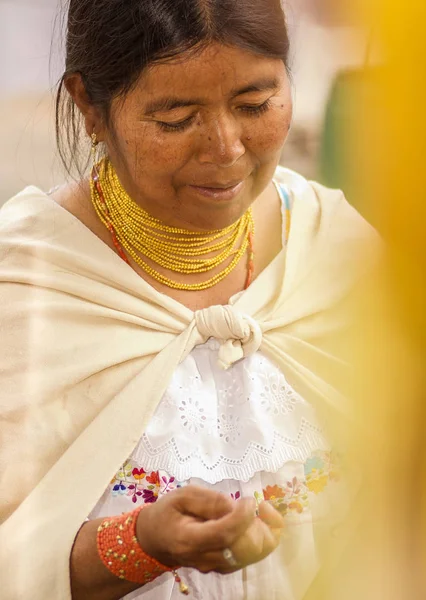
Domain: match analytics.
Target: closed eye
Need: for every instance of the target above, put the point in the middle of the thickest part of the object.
(251, 109)
(256, 109)
(179, 126)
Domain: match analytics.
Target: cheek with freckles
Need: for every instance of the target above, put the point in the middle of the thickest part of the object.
(142, 150)
(153, 154)
(268, 135)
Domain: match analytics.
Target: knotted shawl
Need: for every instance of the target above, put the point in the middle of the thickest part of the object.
(88, 348)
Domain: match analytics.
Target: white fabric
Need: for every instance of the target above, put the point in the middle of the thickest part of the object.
(230, 421)
(89, 348)
(284, 575)
(237, 432)
(214, 424)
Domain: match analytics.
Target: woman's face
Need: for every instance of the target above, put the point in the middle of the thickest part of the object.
(198, 140)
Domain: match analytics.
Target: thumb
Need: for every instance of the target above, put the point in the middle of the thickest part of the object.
(270, 516)
(204, 504)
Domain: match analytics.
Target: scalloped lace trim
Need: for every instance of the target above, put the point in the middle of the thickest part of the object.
(214, 425)
(256, 457)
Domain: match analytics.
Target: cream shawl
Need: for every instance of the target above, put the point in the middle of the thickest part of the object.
(88, 349)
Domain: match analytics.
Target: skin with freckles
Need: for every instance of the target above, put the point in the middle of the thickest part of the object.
(191, 129)
(220, 138)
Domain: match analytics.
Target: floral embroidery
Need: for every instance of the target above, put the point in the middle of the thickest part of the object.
(321, 469)
(167, 484)
(149, 496)
(136, 484)
(134, 492)
(142, 486)
(273, 492)
(292, 497)
(125, 471)
(119, 488)
(138, 473)
(154, 478)
(315, 463)
(317, 485)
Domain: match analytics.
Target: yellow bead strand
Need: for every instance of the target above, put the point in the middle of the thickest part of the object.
(175, 249)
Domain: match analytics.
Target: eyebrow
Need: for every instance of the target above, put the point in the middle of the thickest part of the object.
(173, 102)
(261, 85)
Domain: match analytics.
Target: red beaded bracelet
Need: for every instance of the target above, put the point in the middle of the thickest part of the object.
(120, 552)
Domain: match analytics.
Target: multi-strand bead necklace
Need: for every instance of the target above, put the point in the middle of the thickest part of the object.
(142, 236)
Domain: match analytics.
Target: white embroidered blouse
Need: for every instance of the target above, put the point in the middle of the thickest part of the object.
(244, 432)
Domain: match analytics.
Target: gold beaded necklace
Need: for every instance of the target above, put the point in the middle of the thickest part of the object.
(139, 234)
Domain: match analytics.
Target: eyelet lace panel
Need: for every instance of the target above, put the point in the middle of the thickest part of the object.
(214, 424)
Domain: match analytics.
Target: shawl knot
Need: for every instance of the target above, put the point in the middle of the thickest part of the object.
(240, 335)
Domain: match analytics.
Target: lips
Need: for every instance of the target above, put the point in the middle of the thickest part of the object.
(219, 186)
(226, 191)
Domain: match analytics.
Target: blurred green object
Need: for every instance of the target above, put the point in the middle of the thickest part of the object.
(353, 137)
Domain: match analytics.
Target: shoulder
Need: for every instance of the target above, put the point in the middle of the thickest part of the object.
(33, 220)
(300, 187)
(23, 199)
(326, 214)
(294, 182)
(314, 197)
(32, 210)
(25, 211)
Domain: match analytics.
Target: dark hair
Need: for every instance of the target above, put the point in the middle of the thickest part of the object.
(110, 42)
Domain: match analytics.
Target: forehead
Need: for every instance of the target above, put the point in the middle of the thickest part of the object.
(216, 69)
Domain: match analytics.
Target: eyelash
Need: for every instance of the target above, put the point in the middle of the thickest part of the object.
(253, 111)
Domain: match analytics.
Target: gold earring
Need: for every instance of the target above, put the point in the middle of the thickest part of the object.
(95, 145)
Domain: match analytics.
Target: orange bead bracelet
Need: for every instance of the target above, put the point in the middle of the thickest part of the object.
(120, 552)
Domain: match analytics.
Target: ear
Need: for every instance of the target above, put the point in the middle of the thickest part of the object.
(92, 119)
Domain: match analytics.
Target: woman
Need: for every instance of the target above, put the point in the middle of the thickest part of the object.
(173, 320)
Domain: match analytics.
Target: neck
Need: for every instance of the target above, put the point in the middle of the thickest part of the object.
(152, 244)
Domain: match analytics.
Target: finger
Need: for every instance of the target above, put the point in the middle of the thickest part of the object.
(251, 543)
(255, 545)
(247, 549)
(222, 533)
(215, 561)
(277, 534)
(270, 516)
(203, 503)
(272, 539)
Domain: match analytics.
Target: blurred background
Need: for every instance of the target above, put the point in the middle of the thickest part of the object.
(327, 38)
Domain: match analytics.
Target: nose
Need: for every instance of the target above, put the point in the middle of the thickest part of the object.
(221, 142)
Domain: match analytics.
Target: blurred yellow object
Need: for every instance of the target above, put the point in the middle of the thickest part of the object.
(383, 555)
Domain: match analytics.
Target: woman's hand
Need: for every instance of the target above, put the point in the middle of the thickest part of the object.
(259, 540)
(192, 527)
